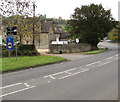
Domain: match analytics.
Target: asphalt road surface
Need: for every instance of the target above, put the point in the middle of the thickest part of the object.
(89, 78)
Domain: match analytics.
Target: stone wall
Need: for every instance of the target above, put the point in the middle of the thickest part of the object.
(41, 41)
(71, 48)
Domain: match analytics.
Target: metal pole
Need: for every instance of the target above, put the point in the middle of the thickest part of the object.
(33, 24)
(16, 51)
(9, 54)
(17, 25)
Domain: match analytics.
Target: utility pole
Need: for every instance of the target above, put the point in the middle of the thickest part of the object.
(33, 24)
(0, 39)
(17, 26)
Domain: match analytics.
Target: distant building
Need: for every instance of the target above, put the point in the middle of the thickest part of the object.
(48, 32)
(45, 33)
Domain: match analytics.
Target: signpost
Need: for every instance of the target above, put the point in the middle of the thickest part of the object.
(9, 44)
(0, 46)
(10, 32)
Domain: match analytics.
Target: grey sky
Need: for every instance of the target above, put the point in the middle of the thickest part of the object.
(64, 8)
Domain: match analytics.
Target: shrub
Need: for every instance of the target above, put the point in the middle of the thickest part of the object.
(22, 50)
(26, 47)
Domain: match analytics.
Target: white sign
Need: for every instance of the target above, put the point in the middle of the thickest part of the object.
(77, 40)
(60, 42)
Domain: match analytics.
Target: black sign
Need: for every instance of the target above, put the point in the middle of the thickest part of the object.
(11, 30)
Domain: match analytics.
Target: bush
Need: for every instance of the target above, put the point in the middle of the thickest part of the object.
(22, 50)
(26, 47)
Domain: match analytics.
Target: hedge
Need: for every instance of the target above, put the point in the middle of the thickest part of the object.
(22, 50)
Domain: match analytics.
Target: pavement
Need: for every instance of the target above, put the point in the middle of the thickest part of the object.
(89, 78)
(77, 56)
(71, 56)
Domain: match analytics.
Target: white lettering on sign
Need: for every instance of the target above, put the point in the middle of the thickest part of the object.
(9, 45)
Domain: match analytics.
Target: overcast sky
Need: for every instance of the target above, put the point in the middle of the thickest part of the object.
(64, 8)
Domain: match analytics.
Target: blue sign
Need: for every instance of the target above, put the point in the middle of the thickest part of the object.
(10, 43)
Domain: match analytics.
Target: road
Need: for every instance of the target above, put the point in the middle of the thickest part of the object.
(90, 78)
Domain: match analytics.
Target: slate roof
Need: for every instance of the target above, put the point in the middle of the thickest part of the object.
(64, 35)
(57, 29)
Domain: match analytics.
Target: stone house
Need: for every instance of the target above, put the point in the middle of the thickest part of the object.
(48, 33)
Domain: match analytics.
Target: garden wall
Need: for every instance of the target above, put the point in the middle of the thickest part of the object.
(71, 48)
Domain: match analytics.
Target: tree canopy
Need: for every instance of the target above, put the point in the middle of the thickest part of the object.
(15, 7)
(25, 27)
(90, 23)
(114, 34)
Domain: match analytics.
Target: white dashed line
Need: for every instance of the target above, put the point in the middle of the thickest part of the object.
(10, 85)
(67, 72)
(85, 70)
(26, 84)
(71, 69)
(73, 74)
(116, 54)
(93, 63)
(108, 58)
(17, 91)
(52, 77)
(58, 73)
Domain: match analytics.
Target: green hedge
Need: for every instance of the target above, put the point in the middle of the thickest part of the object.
(26, 47)
(22, 50)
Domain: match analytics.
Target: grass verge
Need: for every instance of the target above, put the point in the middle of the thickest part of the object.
(95, 51)
(11, 64)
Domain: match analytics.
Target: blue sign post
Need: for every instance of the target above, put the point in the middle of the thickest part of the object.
(10, 43)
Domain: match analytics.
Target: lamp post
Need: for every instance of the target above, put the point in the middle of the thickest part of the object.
(33, 23)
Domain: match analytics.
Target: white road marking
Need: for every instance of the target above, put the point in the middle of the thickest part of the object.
(85, 70)
(93, 63)
(71, 69)
(26, 84)
(65, 76)
(53, 74)
(59, 73)
(116, 54)
(74, 74)
(108, 58)
(99, 63)
(52, 77)
(10, 85)
(17, 91)
(103, 64)
(67, 72)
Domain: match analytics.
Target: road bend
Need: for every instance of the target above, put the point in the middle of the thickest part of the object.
(90, 78)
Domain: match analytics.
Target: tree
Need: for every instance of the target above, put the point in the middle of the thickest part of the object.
(114, 34)
(15, 13)
(90, 23)
(15, 7)
(25, 26)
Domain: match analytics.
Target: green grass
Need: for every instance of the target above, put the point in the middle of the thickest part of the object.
(95, 51)
(10, 64)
